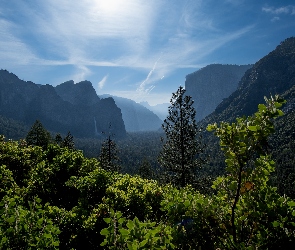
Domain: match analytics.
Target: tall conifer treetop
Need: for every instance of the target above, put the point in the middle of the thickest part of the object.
(180, 153)
(38, 135)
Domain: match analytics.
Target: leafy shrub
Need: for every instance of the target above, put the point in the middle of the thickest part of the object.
(135, 235)
(26, 228)
(135, 197)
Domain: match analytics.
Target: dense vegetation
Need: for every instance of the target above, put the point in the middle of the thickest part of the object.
(54, 198)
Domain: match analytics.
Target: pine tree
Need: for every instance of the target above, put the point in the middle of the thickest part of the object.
(108, 157)
(38, 135)
(180, 156)
(145, 170)
(68, 141)
(58, 139)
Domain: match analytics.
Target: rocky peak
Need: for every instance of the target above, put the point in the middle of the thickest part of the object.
(81, 93)
(67, 107)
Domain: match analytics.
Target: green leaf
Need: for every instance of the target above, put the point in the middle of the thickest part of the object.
(104, 231)
(261, 107)
(103, 243)
(143, 243)
(186, 203)
(275, 223)
(56, 243)
(107, 220)
(47, 235)
(121, 220)
(291, 203)
(130, 224)
(252, 128)
(124, 231)
(4, 239)
(11, 219)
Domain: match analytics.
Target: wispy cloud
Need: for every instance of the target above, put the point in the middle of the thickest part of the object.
(290, 9)
(102, 82)
(80, 32)
(81, 73)
(274, 19)
(153, 37)
(14, 50)
(142, 86)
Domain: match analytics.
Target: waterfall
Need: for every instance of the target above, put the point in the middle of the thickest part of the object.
(95, 128)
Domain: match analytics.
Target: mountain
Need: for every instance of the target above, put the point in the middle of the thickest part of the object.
(273, 74)
(67, 107)
(136, 117)
(211, 84)
(161, 110)
(81, 93)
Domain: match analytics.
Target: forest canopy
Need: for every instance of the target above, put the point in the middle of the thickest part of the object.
(55, 198)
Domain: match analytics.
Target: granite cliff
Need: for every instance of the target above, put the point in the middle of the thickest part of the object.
(67, 107)
(273, 74)
(211, 84)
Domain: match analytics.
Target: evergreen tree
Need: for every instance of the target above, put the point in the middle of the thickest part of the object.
(180, 156)
(58, 139)
(38, 135)
(108, 157)
(145, 170)
(68, 141)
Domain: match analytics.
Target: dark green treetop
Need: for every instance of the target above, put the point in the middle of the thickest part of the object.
(180, 154)
(68, 141)
(108, 156)
(38, 135)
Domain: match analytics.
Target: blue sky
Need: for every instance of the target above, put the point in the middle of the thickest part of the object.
(137, 49)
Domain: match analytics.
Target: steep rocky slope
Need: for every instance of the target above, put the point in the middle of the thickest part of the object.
(74, 109)
(211, 84)
(273, 74)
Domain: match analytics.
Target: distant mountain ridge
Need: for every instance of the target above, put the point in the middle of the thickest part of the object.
(67, 107)
(136, 117)
(161, 110)
(211, 84)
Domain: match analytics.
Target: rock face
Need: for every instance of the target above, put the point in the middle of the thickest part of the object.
(137, 117)
(273, 74)
(211, 84)
(81, 93)
(67, 107)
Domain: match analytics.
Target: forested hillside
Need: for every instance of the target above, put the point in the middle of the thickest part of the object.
(282, 145)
